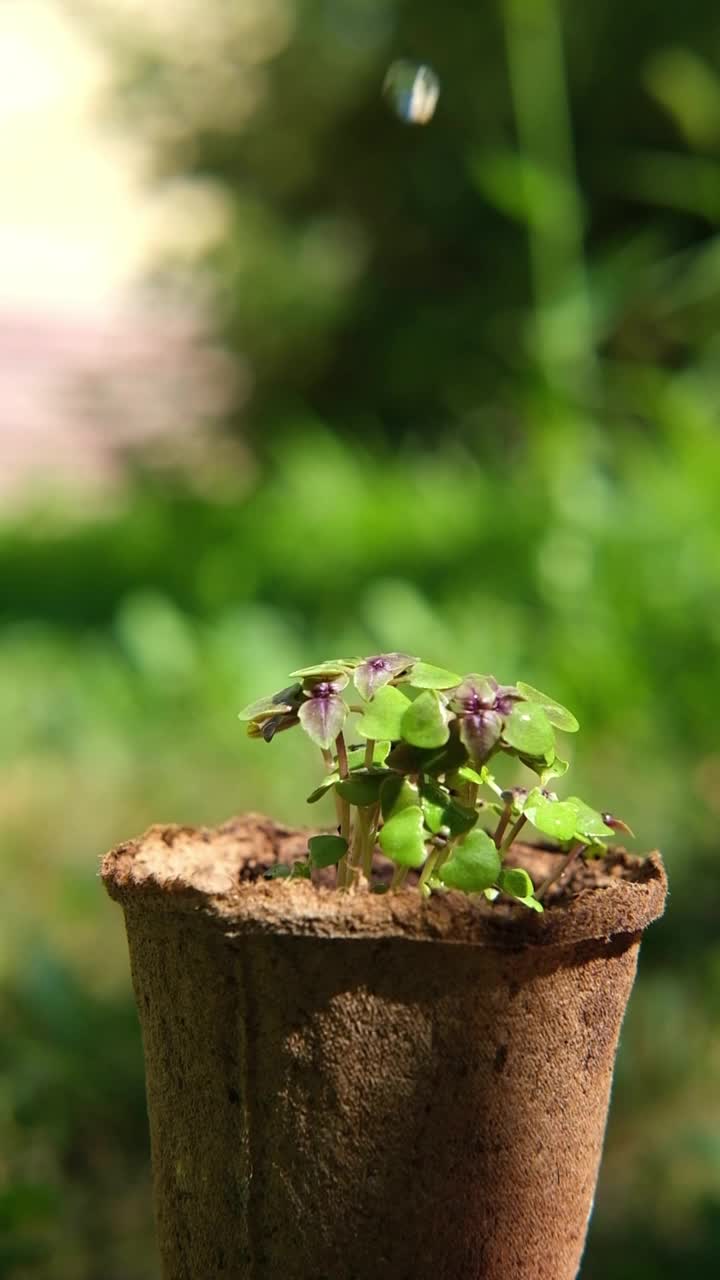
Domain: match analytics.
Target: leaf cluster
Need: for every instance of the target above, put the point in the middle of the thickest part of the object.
(419, 787)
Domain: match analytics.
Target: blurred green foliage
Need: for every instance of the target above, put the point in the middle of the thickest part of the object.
(485, 427)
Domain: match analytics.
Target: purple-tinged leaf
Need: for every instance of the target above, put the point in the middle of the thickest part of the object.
(373, 673)
(475, 693)
(480, 734)
(322, 717)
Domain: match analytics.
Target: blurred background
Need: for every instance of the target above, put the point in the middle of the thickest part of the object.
(283, 377)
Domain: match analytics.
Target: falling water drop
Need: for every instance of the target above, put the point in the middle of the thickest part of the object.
(412, 89)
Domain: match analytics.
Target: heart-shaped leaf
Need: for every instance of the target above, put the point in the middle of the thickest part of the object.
(383, 716)
(528, 730)
(425, 723)
(556, 713)
(474, 864)
(480, 733)
(588, 821)
(556, 818)
(402, 839)
(323, 719)
(517, 884)
(425, 676)
(362, 788)
(474, 693)
(555, 770)
(326, 851)
(442, 812)
(375, 672)
(397, 794)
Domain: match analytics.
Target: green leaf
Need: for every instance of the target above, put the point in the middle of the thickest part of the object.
(556, 818)
(425, 723)
(397, 794)
(300, 870)
(326, 851)
(441, 810)
(272, 705)
(335, 669)
(323, 719)
(362, 788)
(402, 839)
(517, 884)
(555, 770)
(528, 730)
(425, 676)
(589, 821)
(556, 713)
(356, 756)
(323, 788)
(435, 800)
(280, 871)
(375, 672)
(466, 774)
(474, 864)
(383, 716)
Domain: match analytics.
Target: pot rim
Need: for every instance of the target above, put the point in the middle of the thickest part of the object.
(194, 873)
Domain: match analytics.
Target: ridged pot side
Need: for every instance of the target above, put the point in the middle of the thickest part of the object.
(329, 1101)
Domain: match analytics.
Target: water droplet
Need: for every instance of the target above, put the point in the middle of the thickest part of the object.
(412, 89)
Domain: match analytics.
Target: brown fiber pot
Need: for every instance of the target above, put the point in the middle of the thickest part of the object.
(364, 1087)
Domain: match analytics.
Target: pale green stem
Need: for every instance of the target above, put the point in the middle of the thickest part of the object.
(470, 795)
(502, 824)
(399, 878)
(513, 833)
(344, 874)
(429, 867)
(370, 839)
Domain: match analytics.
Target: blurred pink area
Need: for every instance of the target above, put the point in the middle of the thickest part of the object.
(82, 396)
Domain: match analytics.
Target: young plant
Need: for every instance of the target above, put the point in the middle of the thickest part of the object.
(419, 786)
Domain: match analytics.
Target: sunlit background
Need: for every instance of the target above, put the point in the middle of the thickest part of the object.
(282, 377)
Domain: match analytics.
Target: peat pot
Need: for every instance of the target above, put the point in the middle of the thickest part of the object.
(372, 1087)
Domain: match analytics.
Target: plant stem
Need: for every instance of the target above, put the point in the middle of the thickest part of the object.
(502, 823)
(514, 831)
(430, 866)
(470, 795)
(370, 839)
(343, 812)
(328, 758)
(342, 757)
(369, 751)
(399, 878)
(557, 875)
